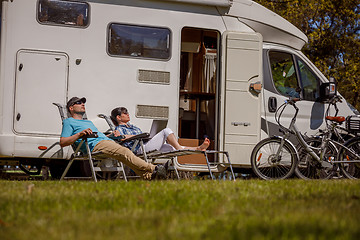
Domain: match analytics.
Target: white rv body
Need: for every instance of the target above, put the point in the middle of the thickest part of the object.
(42, 63)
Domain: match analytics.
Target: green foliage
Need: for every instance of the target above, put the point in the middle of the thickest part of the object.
(333, 29)
(252, 209)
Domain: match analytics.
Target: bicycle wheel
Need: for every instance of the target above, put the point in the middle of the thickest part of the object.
(309, 168)
(267, 165)
(350, 168)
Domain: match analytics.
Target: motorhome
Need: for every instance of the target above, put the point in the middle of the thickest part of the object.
(211, 68)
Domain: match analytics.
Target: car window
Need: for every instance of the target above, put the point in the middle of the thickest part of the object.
(284, 73)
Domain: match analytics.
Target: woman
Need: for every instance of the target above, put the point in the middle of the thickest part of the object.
(121, 119)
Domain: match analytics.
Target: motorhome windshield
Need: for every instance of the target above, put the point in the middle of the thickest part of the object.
(356, 112)
(63, 13)
(309, 81)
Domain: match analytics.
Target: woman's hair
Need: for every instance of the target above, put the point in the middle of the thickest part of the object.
(115, 112)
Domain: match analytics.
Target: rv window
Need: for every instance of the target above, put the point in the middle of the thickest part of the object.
(284, 73)
(309, 81)
(63, 12)
(139, 41)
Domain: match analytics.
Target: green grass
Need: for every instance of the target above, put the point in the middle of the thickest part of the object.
(250, 209)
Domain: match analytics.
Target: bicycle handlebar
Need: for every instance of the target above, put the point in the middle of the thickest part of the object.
(292, 101)
(332, 102)
(335, 99)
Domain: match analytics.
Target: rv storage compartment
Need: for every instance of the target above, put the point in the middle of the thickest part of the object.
(353, 123)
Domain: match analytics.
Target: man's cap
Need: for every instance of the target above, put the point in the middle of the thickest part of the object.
(73, 100)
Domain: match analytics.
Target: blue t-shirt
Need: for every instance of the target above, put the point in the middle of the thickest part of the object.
(73, 126)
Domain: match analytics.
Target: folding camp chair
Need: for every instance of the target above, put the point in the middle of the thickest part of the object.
(176, 153)
(154, 155)
(100, 164)
(138, 140)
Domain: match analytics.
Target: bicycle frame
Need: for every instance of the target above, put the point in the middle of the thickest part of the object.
(293, 130)
(333, 129)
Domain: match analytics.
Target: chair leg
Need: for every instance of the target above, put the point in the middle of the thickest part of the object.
(123, 171)
(231, 168)
(91, 163)
(208, 164)
(67, 169)
(143, 150)
(175, 169)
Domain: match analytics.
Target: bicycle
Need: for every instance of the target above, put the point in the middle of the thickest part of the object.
(348, 157)
(336, 135)
(277, 158)
(309, 167)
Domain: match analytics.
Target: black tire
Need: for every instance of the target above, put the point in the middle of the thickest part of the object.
(265, 164)
(309, 168)
(350, 169)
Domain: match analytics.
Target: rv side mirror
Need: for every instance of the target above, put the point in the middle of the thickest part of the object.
(327, 91)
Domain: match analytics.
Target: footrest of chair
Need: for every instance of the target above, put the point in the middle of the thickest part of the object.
(79, 178)
(172, 154)
(107, 169)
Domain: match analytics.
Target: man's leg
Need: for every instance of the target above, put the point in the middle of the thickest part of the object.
(123, 154)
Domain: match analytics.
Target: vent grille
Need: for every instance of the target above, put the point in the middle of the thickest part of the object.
(353, 123)
(153, 112)
(159, 77)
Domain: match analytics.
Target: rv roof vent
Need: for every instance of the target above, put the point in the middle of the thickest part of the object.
(148, 76)
(153, 112)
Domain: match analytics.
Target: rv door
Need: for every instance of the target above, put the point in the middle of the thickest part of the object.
(242, 62)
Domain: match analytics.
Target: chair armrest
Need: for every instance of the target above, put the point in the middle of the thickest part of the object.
(93, 135)
(142, 136)
(118, 138)
(108, 132)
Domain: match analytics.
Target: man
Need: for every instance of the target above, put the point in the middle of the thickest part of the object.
(75, 127)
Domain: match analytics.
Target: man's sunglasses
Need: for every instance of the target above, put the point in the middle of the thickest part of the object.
(78, 103)
(125, 112)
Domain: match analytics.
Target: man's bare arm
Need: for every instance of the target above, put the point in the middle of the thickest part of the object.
(66, 141)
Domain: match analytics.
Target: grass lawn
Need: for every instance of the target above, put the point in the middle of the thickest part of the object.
(245, 209)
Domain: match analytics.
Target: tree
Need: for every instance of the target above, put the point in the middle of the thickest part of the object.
(333, 29)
